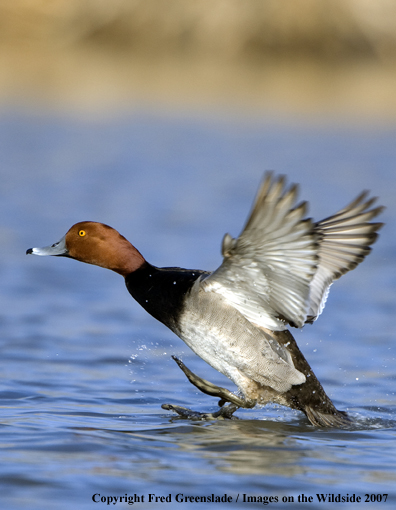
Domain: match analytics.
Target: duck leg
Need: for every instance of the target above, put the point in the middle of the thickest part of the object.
(226, 412)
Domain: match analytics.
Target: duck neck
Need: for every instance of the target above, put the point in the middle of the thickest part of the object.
(162, 291)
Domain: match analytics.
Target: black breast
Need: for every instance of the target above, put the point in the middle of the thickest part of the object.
(161, 291)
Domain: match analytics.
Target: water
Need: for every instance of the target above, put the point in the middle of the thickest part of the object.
(85, 370)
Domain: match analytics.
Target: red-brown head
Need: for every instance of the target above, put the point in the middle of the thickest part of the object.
(98, 244)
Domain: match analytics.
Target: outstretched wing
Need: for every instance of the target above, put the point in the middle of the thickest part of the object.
(267, 270)
(345, 240)
(278, 271)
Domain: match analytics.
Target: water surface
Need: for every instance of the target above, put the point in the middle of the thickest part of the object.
(85, 370)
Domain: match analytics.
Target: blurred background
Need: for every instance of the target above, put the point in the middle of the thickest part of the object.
(333, 57)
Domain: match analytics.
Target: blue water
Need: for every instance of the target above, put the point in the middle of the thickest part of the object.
(85, 370)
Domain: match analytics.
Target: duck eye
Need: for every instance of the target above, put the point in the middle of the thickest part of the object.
(81, 233)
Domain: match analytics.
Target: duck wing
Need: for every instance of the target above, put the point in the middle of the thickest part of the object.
(344, 241)
(267, 270)
(279, 270)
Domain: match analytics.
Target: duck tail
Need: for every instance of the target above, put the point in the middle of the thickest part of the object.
(310, 397)
(335, 418)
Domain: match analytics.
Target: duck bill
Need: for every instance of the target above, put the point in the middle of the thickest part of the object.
(58, 249)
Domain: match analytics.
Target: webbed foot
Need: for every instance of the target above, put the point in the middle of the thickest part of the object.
(226, 412)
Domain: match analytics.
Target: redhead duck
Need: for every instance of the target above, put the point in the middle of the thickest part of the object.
(276, 274)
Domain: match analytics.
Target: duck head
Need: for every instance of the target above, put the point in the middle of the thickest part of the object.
(98, 244)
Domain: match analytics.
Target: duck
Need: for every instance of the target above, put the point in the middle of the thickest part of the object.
(275, 276)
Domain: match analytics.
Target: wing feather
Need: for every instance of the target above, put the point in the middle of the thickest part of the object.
(266, 271)
(279, 270)
(346, 238)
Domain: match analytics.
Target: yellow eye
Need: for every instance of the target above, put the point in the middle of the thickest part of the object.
(81, 233)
